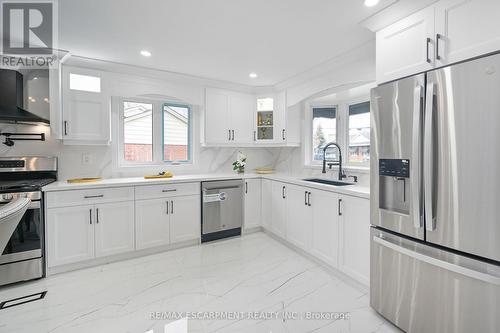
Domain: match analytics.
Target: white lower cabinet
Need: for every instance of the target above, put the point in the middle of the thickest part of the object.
(355, 237)
(152, 223)
(299, 217)
(70, 235)
(253, 194)
(278, 212)
(325, 226)
(114, 228)
(332, 227)
(266, 203)
(110, 225)
(167, 221)
(185, 218)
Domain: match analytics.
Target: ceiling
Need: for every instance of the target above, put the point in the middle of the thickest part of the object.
(216, 39)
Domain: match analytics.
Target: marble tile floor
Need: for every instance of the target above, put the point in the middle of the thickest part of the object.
(247, 284)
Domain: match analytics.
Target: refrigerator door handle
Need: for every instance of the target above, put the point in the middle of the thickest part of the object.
(430, 222)
(491, 279)
(415, 177)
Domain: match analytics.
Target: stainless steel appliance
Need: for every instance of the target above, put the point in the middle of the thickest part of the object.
(23, 257)
(222, 210)
(435, 195)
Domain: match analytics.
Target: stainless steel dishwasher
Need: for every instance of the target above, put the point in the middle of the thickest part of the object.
(222, 211)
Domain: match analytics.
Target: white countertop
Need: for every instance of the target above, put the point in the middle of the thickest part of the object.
(355, 190)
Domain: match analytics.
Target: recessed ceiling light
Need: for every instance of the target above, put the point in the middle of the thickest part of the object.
(253, 75)
(371, 3)
(146, 53)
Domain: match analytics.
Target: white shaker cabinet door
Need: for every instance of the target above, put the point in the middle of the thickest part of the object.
(114, 228)
(466, 29)
(185, 218)
(325, 234)
(217, 122)
(252, 203)
(299, 217)
(406, 47)
(152, 221)
(70, 235)
(355, 237)
(278, 202)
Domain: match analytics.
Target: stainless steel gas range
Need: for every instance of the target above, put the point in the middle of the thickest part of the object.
(23, 257)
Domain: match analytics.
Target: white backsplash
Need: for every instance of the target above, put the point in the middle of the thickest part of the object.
(211, 160)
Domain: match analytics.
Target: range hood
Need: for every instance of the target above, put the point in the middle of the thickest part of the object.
(12, 99)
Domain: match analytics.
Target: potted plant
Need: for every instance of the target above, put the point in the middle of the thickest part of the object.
(239, 164)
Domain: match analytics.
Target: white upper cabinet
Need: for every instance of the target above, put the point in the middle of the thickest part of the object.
(228, 117)
(447, 32)
(85, 107)
(406, 47)
(466, 29)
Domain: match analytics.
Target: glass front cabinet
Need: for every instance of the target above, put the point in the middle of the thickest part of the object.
(269, 119)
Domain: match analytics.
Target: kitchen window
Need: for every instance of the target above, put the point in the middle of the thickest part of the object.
(359, 133)
(154, 133)
(346, 123)
(324, 125)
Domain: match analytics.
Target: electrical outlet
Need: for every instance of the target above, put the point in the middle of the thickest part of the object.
(87, 159)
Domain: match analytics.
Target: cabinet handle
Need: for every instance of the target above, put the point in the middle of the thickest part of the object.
(90, 215)
(165, 191)
(340, 210)
(167, 207)
(305, 198)
(254, 136)
(427, 50)
(93, 196)
(229, 135)
(97, 215)
(283, 134)
(172, 207)
(438, 37)
(309, 199)
(232, 131)
(65, 127)
(283, 192)
(246, 187)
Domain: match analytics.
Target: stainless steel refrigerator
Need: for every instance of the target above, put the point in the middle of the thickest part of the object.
(435, 199)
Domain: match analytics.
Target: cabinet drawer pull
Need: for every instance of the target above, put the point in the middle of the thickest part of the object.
(246, 187)
(172, 207)
(309, 199)
(427, 50)
(340, 207)
(283, 192)
(438, 37)
(65, 127)
(283, 134)
(232, 131)
(97, 215)
(305, 198)
(167, 207)
(172, 190)
(93, 196)
(90, 215)
(229, 135)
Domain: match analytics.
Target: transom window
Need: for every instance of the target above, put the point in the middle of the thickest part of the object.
(155, 132)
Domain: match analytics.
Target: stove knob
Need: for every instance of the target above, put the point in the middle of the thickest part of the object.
(7, 197)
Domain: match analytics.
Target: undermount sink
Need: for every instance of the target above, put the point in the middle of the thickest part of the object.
(328, 182)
